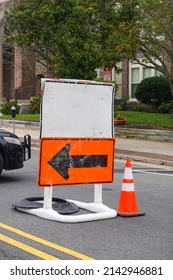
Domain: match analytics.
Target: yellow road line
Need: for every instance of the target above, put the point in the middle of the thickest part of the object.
(46, 243)
(27, 248)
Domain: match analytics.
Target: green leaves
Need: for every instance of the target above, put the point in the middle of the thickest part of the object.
(61, 32)
(74, 37)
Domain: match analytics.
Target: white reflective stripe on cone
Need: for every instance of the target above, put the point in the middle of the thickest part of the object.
(128, 173)
(128, 187)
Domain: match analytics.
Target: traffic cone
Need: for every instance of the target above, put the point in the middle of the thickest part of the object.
(127, 204)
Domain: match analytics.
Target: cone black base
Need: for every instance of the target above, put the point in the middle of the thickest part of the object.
(130, 215)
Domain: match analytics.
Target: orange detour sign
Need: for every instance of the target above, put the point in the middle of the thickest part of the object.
(65, 161)
(127, 203)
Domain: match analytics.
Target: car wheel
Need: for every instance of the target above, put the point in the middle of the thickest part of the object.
(1, 164)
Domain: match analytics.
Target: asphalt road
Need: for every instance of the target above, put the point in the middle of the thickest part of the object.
(146, 237)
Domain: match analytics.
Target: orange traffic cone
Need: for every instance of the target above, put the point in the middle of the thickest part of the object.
(127, 204)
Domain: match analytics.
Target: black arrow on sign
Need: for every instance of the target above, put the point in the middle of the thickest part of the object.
(62, 161)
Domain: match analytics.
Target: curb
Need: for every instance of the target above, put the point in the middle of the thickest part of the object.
(145, 160)
(21, 124)
(145, 134)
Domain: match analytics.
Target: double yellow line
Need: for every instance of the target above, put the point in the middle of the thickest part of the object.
(34, 251)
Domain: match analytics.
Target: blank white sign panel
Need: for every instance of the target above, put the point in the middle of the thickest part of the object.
(75, 109)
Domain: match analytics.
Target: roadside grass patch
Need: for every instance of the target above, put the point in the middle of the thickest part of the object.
(23, 117)
(148, 119)
(132, 118)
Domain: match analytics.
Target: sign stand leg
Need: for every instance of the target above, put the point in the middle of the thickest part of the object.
(47, 198)
(97, 193)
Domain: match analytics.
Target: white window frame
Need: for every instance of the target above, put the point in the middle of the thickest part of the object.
(132, 65)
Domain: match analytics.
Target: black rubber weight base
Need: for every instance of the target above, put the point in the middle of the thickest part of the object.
(59, 205)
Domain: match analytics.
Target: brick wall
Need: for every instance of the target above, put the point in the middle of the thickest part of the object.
(8, 74)
(19, 78)
(25, 77)
(125, 78)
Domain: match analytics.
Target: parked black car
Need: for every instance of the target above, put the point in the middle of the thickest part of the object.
(13, 153)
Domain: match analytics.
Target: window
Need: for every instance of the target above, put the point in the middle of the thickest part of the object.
(135, 80)
(118, 79)
(146, 72)
(157, 73)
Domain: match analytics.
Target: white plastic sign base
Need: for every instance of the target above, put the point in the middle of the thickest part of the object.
(101, 212)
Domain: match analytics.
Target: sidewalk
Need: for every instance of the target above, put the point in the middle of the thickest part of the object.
(145, 151)
(136, 150)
